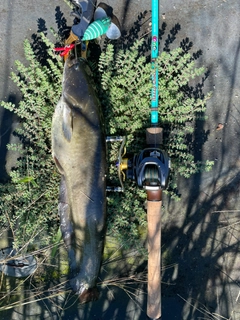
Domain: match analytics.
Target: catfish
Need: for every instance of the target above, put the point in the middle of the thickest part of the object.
(79, 152)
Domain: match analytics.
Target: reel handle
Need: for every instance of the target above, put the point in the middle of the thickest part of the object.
(122, 162)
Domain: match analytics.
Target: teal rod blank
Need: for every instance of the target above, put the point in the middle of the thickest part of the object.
(154, 55)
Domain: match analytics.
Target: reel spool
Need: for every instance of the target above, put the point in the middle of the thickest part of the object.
(149, 169)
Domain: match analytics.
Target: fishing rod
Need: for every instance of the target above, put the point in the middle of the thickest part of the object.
(154, 197)
(150, 169)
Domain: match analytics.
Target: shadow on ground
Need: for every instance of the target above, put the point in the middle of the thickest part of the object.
(200, 233)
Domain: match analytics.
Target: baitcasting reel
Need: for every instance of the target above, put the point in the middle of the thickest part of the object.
(150, 168)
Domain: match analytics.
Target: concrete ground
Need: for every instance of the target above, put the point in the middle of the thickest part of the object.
(200, 233)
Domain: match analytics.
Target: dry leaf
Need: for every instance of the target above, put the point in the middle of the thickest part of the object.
(219, 126)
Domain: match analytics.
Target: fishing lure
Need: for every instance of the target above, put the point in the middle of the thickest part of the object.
(97, 29)
(105, 22)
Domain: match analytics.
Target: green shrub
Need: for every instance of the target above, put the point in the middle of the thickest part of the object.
(29, 201)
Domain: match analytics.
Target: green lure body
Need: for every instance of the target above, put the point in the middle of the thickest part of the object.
(97, 29)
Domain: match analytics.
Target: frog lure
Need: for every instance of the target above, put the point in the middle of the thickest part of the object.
(105, 22)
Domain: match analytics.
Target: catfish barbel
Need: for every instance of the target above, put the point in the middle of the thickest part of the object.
(79, 151)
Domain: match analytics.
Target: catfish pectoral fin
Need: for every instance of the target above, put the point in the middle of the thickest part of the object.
(91, 294)
(59, 167)
(67, 122)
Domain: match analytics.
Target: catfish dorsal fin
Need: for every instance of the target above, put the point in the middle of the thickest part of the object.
(67, 122)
